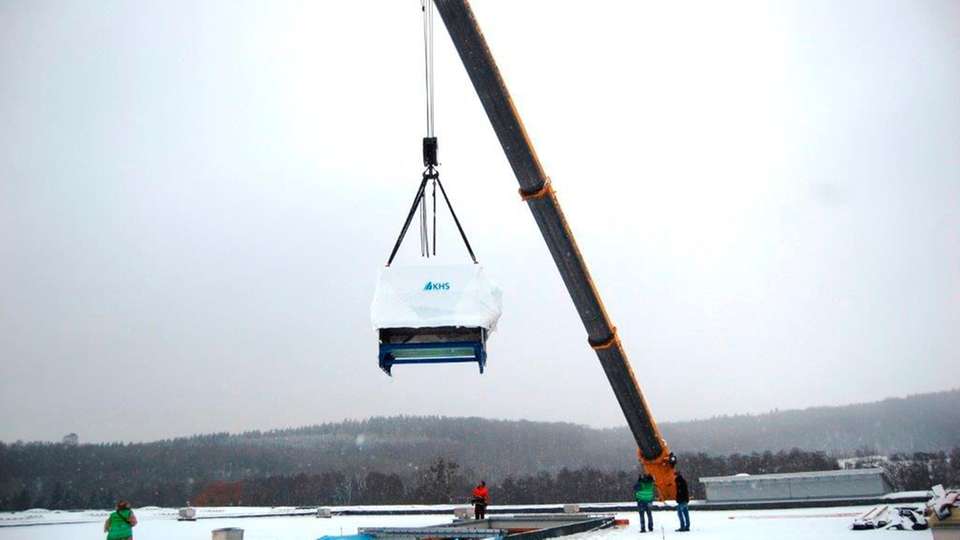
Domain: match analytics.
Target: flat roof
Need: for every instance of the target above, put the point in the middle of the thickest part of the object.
(874, 471)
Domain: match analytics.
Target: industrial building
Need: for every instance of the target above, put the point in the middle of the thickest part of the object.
(802, 485)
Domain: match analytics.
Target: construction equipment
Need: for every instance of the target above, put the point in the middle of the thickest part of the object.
(445, 320)
(891, 517)
(536, 190)
(944, 512)
(433, 314)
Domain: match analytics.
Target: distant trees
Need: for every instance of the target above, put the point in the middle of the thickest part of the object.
(437, 460)
(920, 423)
(921, 470)
(380, 488)
(220, 493)
(566, 486)
(20, 502)
(442, 480)
(301, 489)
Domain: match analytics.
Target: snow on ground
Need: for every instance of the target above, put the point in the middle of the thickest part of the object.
(807, 523)
(161, 524)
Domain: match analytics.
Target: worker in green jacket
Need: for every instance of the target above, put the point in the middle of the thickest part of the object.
(643, 493)
(119, 525)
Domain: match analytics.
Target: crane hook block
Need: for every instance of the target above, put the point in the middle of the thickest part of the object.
(429, 151)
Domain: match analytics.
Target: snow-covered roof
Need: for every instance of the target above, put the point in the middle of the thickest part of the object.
(783, 476)
(819, 523)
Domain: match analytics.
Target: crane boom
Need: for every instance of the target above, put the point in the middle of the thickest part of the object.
(536, 190)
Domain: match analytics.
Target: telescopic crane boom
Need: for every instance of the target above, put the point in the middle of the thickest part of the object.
(535, 189)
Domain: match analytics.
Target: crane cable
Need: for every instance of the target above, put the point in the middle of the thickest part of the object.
(430, 174)
(427, 7)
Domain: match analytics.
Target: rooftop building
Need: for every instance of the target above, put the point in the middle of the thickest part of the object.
(838, 484)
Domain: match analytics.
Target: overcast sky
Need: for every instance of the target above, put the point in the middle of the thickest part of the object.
(196, 197)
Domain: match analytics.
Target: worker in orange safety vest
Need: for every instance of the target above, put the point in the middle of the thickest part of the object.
(481, 497)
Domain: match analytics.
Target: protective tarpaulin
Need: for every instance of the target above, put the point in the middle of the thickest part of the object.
(435, 296)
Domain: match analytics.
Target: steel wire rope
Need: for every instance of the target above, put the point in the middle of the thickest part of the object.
(430, 173)
(427, 6)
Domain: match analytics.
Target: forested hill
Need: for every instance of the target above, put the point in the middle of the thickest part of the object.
(919, 423)
(498, 448)
(393, 460)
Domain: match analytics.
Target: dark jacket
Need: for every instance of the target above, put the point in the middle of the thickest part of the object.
(683, 494)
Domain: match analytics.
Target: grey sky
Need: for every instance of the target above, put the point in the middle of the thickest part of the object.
(195, 199)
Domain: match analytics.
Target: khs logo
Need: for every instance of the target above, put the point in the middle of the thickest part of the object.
(437, 286)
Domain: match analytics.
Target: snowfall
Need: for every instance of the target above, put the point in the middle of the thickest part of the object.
(287, 523)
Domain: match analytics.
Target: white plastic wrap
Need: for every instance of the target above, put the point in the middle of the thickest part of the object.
(432, 296)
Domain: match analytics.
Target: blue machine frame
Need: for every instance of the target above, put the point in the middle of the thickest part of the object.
(388, 359)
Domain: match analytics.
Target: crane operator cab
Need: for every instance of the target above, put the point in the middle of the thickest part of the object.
(434, 314)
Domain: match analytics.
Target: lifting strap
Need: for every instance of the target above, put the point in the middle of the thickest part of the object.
(419, 202)
(430, 174)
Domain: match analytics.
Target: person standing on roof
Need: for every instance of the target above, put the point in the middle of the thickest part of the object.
(643, 493)
(683, 499)
(119, 525)
(481, 497)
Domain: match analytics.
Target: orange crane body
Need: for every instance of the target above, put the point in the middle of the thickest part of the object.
(536, 190)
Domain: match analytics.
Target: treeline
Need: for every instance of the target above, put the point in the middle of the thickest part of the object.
(172, 471)
(919, 423)
(439, 481)
(921, 470)
(494, 449)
